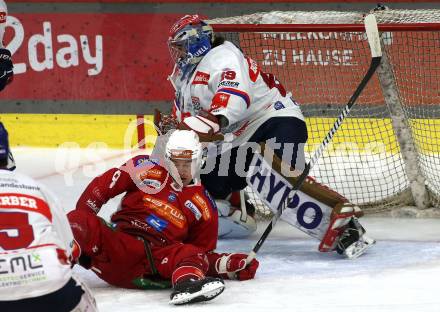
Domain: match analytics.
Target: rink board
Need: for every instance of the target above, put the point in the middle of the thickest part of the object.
(47, 130)
(356, 135)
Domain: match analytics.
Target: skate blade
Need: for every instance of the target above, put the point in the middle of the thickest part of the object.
(208, 292)
(359, 248)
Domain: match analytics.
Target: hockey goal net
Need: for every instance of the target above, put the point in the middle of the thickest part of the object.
(387, 153)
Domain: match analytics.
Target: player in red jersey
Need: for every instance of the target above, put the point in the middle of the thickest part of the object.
(165, 229)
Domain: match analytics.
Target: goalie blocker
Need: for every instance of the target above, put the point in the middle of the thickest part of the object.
(315, 209)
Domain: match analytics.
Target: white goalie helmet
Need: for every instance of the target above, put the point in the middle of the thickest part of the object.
(185, 145)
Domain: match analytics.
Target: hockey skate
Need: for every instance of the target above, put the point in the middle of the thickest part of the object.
(192, 291)
(353, 242)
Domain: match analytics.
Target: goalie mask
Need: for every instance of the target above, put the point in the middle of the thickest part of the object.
(190, 39)
(183, 153)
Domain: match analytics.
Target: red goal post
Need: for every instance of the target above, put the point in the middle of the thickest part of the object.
(387, 154)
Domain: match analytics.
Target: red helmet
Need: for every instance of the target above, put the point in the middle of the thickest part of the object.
(192, 20)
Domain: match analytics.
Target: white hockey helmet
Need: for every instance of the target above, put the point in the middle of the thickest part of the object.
(185, 145)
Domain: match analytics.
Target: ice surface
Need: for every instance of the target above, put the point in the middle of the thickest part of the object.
(401, 273)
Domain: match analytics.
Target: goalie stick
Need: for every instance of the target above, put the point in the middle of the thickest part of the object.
(376, 53)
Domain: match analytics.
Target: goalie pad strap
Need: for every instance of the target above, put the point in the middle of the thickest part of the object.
(322, 193)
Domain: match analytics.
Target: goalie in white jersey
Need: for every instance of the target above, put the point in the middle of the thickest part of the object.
(36, 245)
(225, 97)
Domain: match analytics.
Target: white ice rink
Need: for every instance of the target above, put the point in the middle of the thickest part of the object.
(401, 273)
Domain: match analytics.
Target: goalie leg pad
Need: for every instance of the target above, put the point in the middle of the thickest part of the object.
(340, 217)
(315, 209)
(342, 212)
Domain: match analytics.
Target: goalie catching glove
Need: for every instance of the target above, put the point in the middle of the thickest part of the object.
(205, 124)
(232, 266)
(164, 123)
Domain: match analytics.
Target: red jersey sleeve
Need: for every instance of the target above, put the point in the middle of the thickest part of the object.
(110, 184)
(203, 231)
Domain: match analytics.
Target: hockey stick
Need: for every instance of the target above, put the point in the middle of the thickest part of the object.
(376, 53)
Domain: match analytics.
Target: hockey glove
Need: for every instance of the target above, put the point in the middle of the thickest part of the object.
(164, 123)
(232, 266)
(205, 124)
(6, 73)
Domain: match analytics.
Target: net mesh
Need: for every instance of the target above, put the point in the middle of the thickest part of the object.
(332, 17)
(323, 68)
